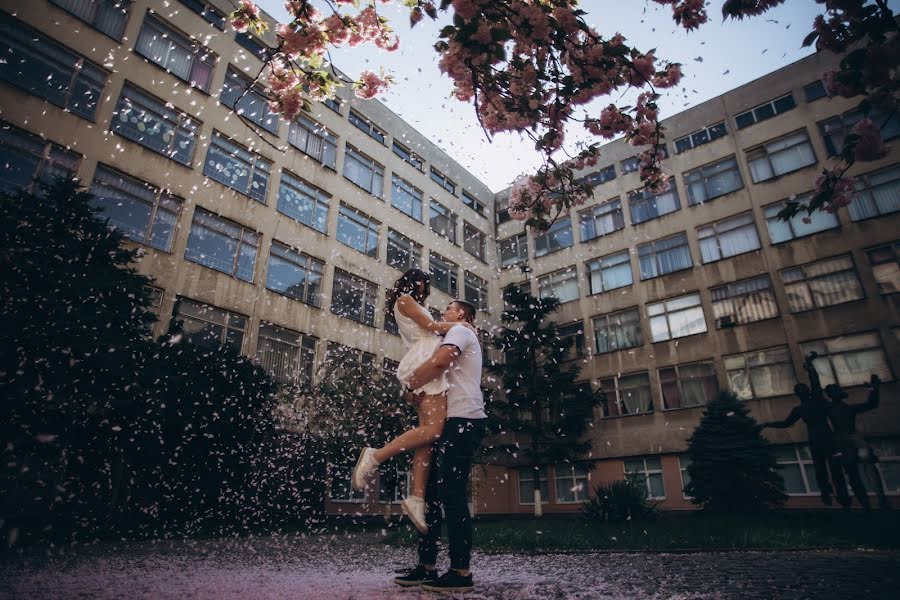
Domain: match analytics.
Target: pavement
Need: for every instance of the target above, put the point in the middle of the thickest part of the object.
(358, 566)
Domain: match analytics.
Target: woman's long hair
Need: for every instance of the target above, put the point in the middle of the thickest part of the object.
(408, 284)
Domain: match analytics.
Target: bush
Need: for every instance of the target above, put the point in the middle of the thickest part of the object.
(618, 501)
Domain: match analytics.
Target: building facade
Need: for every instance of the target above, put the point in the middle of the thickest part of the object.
(280, 240)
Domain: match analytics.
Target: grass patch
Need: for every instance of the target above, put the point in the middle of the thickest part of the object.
(684, 532)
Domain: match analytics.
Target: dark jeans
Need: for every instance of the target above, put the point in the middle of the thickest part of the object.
(447, 483)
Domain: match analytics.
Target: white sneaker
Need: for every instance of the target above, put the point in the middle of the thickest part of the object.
(414, 508)
(365, 466)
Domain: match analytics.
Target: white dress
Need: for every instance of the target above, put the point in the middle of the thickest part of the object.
(420, 344)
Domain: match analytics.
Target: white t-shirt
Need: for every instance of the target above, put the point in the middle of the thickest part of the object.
(464, 398)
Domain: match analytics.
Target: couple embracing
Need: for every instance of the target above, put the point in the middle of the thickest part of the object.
(441, 375)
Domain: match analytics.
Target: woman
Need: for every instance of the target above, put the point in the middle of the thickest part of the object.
(421, 335)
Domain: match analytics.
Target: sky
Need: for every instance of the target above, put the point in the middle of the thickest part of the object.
(716, 58)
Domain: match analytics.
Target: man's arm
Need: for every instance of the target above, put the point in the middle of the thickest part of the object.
(874, 396)
(792, 418)
(815, 384)
(439, 363)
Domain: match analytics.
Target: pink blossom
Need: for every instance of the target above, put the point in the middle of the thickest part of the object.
(870, 145)
(370, 85)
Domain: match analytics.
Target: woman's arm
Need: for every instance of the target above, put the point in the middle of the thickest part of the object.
(412, 309)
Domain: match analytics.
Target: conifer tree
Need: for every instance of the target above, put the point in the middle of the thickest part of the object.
(733, 467)
(540, 404)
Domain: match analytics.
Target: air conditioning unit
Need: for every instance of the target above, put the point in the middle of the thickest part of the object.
(726, 321)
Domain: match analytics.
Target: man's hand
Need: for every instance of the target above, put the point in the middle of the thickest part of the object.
(874, 381)
(413, 398)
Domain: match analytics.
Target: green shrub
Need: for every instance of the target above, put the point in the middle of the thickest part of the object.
(618, 501)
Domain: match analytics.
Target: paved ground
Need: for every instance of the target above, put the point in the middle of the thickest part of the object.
(360, 568)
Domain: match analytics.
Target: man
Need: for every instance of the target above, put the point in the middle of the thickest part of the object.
(813, 410)
(852, 447)
(460, 357)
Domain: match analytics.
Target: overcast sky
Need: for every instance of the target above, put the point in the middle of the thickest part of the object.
(717, 58)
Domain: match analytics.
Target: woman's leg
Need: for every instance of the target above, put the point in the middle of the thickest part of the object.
(432, 414)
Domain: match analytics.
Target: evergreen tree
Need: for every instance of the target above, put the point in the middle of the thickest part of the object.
(540, 403)
(733, 468)
(75, 335)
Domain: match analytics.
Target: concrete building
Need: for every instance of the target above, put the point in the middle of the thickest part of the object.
(281, 239)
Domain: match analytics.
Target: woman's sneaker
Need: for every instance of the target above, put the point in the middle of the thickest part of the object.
(417, 576)
(365, 466)
(414, 508)
(451, 581)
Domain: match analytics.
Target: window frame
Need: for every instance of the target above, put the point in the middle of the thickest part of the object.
(762, 358)
(589, 218)
(312, 294)
(770, 104)
(718, 229)
(201, 55)
(304, 347)
(706, 174)
(361, 222)
(363, 161)
(249, 93)
(560, 278)
(239, 240)
(438, 212)
(646, 472)
(678, 380)
(762, 152)
(317, 199)
(740, 290)
(128, 5)
(180, 121)
(366, 293)
(666, 313)
(452, 270)
(651, 251)
(557, 230)
(367, 126)
(805, 280)
(641, 198)
(700, 137)
(606, 320)
(319, 143)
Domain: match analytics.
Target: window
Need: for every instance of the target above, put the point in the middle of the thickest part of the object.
(241, 95)
(571, 484)
(288, 356)
(367, 127)
(783, 231)
(108, 16)
(474, 241)
(778, 157)
(646, 472)
(597, 177)
(698, 138)
(644, 205)
(795, 466)
(443, 274)
(684, 462)
(364, 172)
(337, 354)
(175, 52)
(209, 326)
(627, 395)
(313, 140)
(406, 197)
(390, 324)
(526, 485)
(473, 203)
(728, 237)
(631, 164)
(822, 283)
(675, 318)
(664, 256)
(408, 155)
(885, 263)
(389, 367)
(402, 252)
(358, 230)
(835, 129)
(761, 373)
(712, 181)
(443, 181)
(888, 452)
(442, 221)
(609, 272)
(562, 285)
(393, 482)
(849, 359)
(524, 288)
(294, 274)
(572, 337)
(617, 331)
(333, 104)
(877, 193)
(353, 297)
(559, 236)
(475, 291)
(765, 111)
(149, 122)
(36, 64)
(256, 47)
(140, 211)
(501, 210)
(222, 245)
(814, 91)
(26, 159)
(601, 219)
(742, 302)
(236, 167)
(513, 250)
(155, 300)
(303, 202)
(684, 386)
(207, 11)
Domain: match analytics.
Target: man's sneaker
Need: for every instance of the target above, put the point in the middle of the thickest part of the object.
(365, 466)
(451, 581)
(417, 576)
(414, 508)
